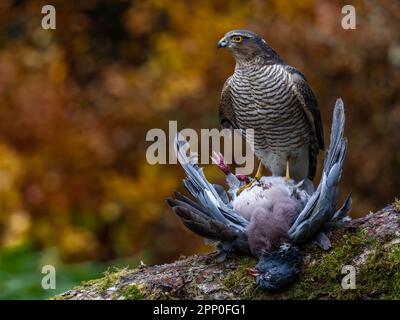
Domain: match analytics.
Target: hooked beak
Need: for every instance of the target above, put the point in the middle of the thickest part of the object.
(222, 43)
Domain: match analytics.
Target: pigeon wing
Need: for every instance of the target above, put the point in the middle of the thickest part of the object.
(320, 208)
(208, 214)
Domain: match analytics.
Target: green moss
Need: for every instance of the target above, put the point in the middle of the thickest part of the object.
(63, 296)
(233, 277)
(327, 271)
(379, 277)
(240, 279)
(158, 294)
(240, 274)
(322, 278)
(110, 278)
(131, 292)
(394, 254)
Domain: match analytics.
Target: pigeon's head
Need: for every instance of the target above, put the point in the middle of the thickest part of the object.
(245, 45)
(277, 269)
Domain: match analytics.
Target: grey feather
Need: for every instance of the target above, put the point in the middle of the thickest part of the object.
(321, 206)
(322, 240)
(343, 212)
(203, 191)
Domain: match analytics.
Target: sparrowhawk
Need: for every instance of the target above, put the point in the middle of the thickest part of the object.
(274, 99)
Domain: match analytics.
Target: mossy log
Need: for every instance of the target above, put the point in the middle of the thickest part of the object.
(371, 244)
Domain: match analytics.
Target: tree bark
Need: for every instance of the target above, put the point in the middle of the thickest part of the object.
(370, 244)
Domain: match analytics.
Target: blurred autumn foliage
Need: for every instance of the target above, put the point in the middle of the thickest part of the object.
(76, 103)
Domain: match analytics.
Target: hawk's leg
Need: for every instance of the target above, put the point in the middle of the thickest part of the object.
(256, 178)
(287, 175)
(259, 172)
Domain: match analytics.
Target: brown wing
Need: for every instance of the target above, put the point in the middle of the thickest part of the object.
(311, 109)
(226, 112)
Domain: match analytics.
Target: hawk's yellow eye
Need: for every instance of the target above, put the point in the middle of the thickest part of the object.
(237, 39)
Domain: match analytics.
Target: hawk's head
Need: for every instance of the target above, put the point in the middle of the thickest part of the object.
(246, 45)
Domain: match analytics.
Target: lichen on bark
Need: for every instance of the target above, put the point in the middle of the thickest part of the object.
(371, 244)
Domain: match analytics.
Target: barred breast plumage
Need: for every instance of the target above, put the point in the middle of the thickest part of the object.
(274, 99)
(263, 100)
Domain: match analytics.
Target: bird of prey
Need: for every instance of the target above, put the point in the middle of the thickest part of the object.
(271, 218)
(275, 100)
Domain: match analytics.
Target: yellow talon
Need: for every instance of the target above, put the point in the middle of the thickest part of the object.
(259, 172)
(241, 189)
(256, 178)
